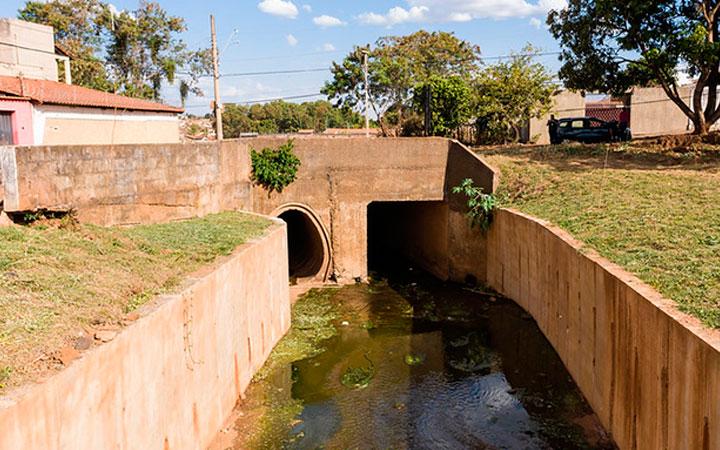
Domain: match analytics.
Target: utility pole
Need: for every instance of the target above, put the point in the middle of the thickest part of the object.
(216, 78)
(367, 93)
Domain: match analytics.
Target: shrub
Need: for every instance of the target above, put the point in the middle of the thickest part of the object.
(480, 205)
(275, 169)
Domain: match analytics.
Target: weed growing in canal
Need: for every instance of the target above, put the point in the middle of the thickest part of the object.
(275, 169)
(480, 205)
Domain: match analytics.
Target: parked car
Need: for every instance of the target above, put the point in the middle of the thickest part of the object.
(590, 129)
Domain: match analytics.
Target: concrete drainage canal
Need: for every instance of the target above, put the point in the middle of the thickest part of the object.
(408, 361)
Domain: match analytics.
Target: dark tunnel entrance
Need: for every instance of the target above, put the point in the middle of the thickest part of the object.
(407, 232)
(306, 246)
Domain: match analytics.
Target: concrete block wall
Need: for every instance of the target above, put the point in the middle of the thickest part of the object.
(127, 184)
(650, 372)
(170, 379)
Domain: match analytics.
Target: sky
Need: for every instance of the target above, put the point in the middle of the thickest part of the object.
(277, 35)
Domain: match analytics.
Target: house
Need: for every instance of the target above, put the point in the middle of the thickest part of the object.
(37, 109)
(43, 112)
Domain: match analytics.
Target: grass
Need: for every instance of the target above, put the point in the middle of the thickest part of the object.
(652, 210)
(59, 279)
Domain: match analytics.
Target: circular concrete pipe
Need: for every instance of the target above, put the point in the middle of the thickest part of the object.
(308, 244)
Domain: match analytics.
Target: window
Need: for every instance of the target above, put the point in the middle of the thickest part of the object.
(6, 129)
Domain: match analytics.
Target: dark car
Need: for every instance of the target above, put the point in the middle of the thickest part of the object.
(589, 129)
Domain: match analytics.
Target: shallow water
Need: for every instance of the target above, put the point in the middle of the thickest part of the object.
(420, 364)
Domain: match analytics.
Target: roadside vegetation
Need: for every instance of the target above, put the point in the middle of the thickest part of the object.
(62, 282)
(649, 206)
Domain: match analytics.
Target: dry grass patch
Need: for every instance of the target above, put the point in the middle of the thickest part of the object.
(59, 281)
(654, 211)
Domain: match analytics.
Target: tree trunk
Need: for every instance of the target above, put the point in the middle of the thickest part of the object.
(701, 127)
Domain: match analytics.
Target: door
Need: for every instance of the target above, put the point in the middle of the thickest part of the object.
(6, 131)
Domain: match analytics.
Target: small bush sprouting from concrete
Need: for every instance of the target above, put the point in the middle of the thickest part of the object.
(275, 169)
(480, 205)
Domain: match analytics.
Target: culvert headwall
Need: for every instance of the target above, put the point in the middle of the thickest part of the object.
(309, 251)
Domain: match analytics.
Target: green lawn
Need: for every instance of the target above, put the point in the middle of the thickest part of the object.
(59, 279)
(655, 212)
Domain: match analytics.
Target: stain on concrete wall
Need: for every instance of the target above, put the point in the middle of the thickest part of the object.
(170, 379)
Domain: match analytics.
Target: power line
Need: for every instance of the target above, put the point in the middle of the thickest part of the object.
(275, 72)
(264, 100)
(267, 58)
(292, 97)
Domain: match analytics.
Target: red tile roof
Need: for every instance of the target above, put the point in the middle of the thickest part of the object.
(55, 93)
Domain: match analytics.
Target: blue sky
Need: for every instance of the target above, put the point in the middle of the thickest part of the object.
(268, 35)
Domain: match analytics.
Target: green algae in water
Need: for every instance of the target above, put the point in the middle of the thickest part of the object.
(358, 377)
(313, 319)
(414, 360)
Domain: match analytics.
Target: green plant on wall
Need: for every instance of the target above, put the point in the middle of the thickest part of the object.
(481, 206)
(275, 169)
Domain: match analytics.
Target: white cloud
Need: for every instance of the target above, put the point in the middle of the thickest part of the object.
(461, 11)
(535, 22)
(395, 16)
(326, 21)
(282, 8)
(292, 40)
(307, 8)
(328, 47)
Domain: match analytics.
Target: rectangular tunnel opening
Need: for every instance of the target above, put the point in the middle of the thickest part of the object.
(406, 232)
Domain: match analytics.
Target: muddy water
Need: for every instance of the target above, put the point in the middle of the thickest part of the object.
(421, 364)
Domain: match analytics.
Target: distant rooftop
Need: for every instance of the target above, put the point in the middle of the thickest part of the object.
(56, 93)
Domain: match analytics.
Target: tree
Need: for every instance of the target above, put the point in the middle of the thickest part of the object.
(131, 53)
(449, 103)
(512, 92)
(396, 66)
(283, 117)
(612, 45)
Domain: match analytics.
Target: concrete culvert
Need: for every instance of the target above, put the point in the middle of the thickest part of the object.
(305, 245)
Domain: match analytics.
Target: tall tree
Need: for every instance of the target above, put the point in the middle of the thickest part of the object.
(396, 65)
(612, 45)
(512, 92)
(131, 53)
(448, 100)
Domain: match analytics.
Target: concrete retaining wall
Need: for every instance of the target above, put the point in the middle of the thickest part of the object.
(169, 380)
(651, 373)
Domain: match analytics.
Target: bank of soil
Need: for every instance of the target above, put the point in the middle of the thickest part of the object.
(412, 363)
(650, 206)
(65, 287)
